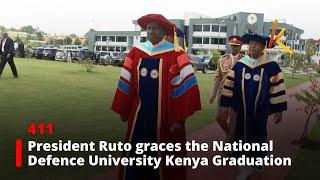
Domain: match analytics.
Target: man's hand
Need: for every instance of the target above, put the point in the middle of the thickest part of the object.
(277, 117)
(176, 126)
(8, 56)
(211, 99)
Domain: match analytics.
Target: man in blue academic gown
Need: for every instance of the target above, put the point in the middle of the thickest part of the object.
(254, 89)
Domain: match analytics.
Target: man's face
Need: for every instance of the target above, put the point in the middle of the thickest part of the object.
(235, 49)
(256, 48)
(155, 32)
(5, 35)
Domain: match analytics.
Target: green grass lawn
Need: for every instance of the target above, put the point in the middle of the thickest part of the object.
(77, 103)
(306, 164)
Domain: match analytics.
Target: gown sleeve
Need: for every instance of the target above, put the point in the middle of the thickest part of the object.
(124, 93)
(278, 100)
(184, 97)
(228, 90)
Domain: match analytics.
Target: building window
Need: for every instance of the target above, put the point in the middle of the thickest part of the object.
(104, 38)
(206, 40)
(117, 49)
(110, 48)
(104, 48)
(215, 28)
(197, 40)
(206, 28)
(214, 41)
(98, 38)
(222, 41)
(197, 28)
(121, 38)
(98, 48)
(223, 28)
(123, 49)
(111, 39)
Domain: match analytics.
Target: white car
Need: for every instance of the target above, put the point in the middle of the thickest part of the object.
(60, 55)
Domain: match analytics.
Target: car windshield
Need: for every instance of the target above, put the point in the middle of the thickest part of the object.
(122, 55)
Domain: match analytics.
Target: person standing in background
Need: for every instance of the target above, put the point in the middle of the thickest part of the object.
(224, 65)
(7, 52)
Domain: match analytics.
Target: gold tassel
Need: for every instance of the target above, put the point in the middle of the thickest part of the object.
(176, 41)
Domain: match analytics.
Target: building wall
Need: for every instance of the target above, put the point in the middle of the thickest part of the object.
(207, 34)
(113, 40)
(211, 39)
(241, 24)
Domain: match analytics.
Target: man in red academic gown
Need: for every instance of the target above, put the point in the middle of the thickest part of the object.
(156, 93)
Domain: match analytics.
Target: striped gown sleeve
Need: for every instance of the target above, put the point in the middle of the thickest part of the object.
(228, 90)
(123, 96)
(278, 99)
(184, 95)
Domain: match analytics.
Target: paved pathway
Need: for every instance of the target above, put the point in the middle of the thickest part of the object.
(282, 134)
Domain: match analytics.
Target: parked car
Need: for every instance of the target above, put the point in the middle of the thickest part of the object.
(74, 54)
(33, 52)
(60, 55)
(105, 59)
(200, 62)
(39, 53)
(109, 58)
(119, 60)
(49, 53)
(82, 54)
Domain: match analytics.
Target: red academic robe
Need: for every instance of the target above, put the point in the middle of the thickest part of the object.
(175, 99)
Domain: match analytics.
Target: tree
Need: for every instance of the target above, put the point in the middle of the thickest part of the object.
(311, 100)
(295, 62)
(3, 29)
(85, 42)
(39, 36)
(310, 49)
(50, 41)
(29, 37)
(13, 29)
(215, 57)
(57, 42)
(88, 64)
(28, 29)
(77, 41)
(67, 41)
(73, 36)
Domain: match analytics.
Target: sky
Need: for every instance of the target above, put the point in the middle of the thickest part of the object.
(78, 16)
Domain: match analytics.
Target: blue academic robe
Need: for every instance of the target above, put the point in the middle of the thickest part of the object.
(254, 89)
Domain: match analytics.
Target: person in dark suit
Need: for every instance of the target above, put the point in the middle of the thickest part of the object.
(6, 51)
